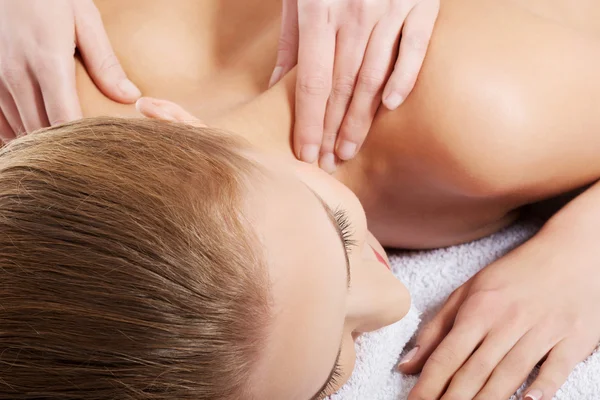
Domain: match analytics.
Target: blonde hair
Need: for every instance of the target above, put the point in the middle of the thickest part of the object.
(127, 268)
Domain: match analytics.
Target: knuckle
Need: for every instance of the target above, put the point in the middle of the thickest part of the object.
(371, 80)
(417, 40)
(88, 21)
(329, 138)
(343, 87)
(313, 85)
(12, 74)
(481, 366)
(309, 132)
(360, 10)
(352, 123)
(430, 332)
(442, 357)
(312, 7)
(402, 79)
(481, 303)
(286, 44)
(355, 128)
(109, 63)
(49, 64)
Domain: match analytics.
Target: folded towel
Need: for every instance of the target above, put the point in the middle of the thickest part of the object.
(430, 277)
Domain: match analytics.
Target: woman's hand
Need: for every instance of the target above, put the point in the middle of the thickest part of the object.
(344, 50)
(37, 70)
(539, 302)
(166, 111)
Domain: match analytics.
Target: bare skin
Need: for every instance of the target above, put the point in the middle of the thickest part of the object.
(504, 114)
(449, 159)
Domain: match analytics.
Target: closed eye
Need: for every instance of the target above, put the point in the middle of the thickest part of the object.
(345, 229)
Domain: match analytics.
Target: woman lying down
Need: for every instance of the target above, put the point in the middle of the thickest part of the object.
(153, 259)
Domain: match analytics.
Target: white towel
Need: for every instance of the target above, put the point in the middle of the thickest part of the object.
(430, 277)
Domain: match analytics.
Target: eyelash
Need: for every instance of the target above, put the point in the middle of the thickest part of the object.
(343, 221)
(345, 226)
(332, 385)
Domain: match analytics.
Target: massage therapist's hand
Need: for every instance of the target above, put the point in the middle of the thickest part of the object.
(166, 110)
(344, 50)
(539, 302)
(38, 39)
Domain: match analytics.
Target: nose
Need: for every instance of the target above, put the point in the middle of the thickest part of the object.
(377, 298)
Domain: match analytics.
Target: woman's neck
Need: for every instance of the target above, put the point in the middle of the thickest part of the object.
(267, 122)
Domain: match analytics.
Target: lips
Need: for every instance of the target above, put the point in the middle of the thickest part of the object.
(380, 258)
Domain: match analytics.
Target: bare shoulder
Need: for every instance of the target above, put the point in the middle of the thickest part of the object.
(508, 96)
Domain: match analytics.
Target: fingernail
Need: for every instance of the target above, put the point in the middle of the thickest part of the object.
(534, 394)
(327, 163)
(276, 75)
(409, 356)
(158, 111)
(393, 101)
(166, 116)
(129, 89)
(346, 150)
(309, 153)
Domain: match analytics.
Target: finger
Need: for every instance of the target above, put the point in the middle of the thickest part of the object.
(446, 359)
(6, 132)
(518, 364)
(11, 114)
(315, 67)
(98, 56)
(432, 334)
(416, 35)
(556, 369)
(367, 94)
(166, 110)
(351, 44)
(59, 90)
(29, 103)
(471, 378)
(287, 49)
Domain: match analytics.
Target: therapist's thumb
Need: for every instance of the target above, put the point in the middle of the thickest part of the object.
(98, 55)
(287, 49)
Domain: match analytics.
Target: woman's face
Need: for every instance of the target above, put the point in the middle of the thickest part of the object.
(330, 280)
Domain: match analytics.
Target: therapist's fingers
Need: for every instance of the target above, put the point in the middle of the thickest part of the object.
(29, 103)
(98, 55)
(11, 114)
(313, 86)
(6, 132)
(59, 91)
(167, 111)
(287, 49)
(351, 45)
(371, 80)
(416, 34)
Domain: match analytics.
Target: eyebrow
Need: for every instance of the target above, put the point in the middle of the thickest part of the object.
(331, 215)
